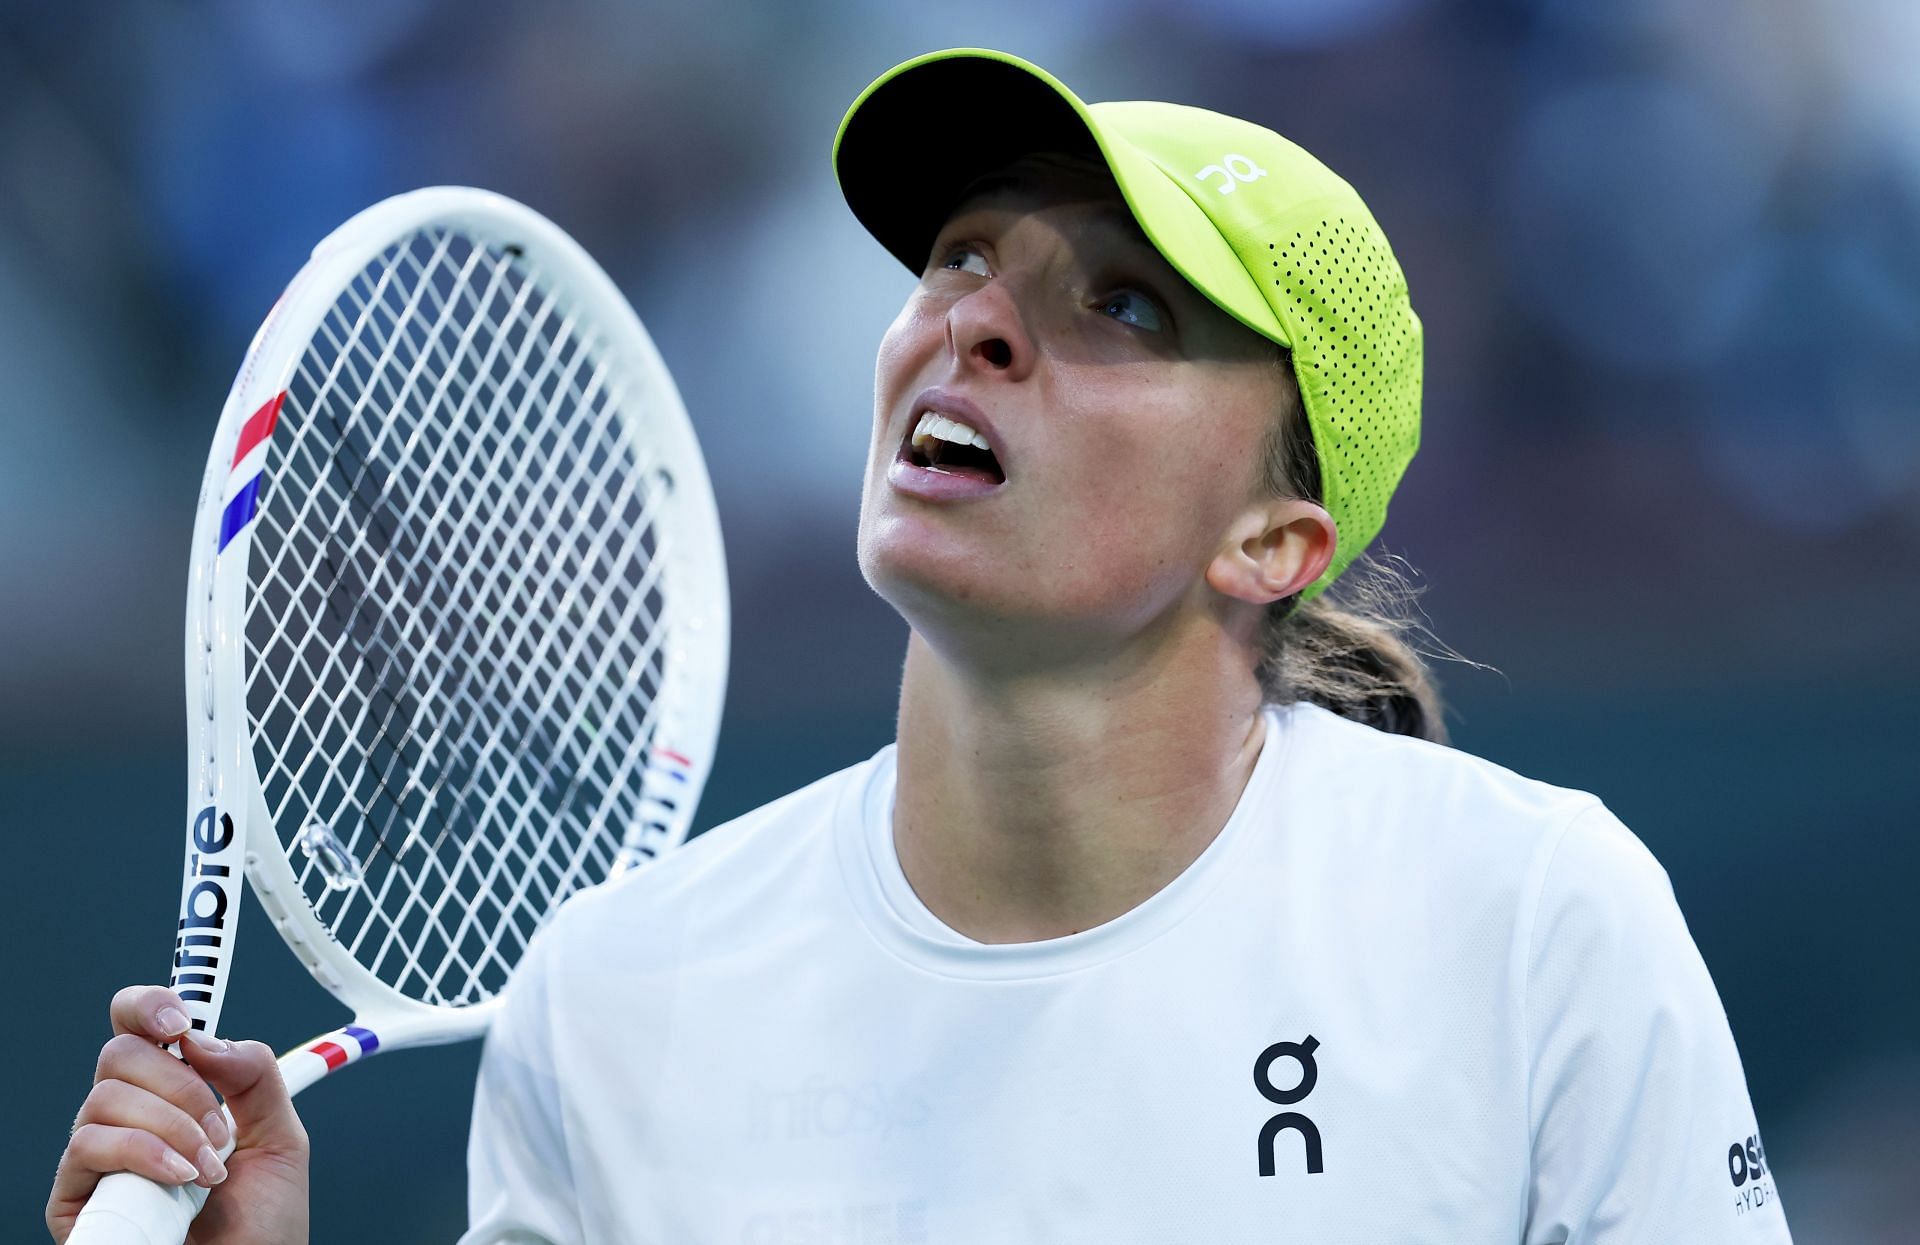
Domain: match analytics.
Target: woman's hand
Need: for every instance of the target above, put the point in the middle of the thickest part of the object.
(152, 1114)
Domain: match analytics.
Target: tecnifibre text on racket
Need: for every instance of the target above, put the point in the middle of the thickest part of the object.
(456, 636)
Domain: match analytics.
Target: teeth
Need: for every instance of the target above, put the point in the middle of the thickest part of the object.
(938, 427)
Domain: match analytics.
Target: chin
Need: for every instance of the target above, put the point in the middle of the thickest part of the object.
(918, 579)
(962, 589)
(953, 601)
(982, 617)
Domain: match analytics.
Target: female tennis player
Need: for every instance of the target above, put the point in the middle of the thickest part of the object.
(1168, 917)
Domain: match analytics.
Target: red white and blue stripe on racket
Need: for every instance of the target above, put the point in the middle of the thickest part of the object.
(249, 463)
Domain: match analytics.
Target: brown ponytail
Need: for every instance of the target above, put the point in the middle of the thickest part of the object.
(1349, 650)
(1352, 649)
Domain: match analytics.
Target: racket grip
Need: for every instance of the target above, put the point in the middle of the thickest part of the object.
(126, 1209)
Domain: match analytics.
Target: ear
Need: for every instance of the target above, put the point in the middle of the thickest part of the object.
(1274, 550)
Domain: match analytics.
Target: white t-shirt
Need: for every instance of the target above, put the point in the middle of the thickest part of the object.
(1404, 996)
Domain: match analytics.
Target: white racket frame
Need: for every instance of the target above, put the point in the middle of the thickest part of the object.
(230, 831)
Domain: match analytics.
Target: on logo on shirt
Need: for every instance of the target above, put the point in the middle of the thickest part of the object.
(1300, 1052)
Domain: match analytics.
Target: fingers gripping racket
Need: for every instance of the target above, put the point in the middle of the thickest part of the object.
(456, 631)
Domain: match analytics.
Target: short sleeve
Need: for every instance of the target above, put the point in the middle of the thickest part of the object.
(519, 1180)
(1641, 1125)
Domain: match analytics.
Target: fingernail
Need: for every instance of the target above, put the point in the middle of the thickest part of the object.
(215, 1125)
(171, 1020)
(210, 1165)
(178, 1167)
(206, 1041)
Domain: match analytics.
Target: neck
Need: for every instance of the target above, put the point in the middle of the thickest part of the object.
(1036, 805)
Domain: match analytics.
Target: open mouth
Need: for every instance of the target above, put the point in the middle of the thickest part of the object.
(939, 443)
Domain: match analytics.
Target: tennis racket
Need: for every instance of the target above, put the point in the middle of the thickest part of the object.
(456, 631)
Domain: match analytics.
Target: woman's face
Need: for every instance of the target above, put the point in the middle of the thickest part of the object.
(1123, 412)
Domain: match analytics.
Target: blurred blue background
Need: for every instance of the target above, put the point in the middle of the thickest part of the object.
(1668, 256)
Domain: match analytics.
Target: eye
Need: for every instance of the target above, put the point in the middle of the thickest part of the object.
(963, 257)
(1132, 307)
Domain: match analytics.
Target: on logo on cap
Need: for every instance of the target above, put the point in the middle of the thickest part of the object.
(1232, 170)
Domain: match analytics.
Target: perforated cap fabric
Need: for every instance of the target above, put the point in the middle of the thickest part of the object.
(1254, 222)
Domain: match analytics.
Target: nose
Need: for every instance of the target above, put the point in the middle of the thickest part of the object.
(987, 334)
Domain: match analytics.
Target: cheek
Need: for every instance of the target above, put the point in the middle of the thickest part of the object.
(1129, 525)
(1163, 459)
(915, 333)
(1152, 507)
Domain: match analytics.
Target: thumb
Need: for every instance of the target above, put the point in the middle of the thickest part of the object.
(248, 1077)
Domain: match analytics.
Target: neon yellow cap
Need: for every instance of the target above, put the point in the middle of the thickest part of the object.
(1259, 226)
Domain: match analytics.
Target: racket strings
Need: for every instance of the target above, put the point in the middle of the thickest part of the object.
(587, 860)
(457, 625)
(372, 702)
(579, 860)
(379, 370)
(520, 691)
(500, 790)
(468, 922)
(342, 446)
(345, 627)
